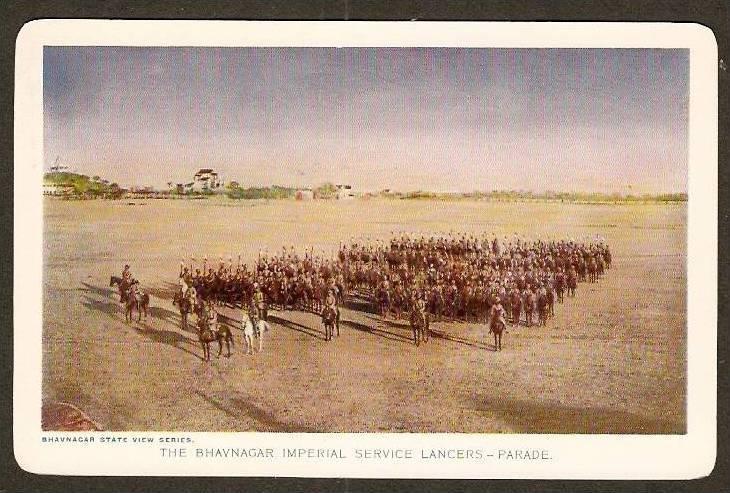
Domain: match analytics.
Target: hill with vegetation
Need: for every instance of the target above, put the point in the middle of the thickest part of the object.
(93, 186)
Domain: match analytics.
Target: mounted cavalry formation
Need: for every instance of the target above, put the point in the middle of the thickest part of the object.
(424, 279)
(130, 295)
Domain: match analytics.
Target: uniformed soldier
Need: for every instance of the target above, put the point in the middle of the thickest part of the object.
(496, 314)
(259, 302)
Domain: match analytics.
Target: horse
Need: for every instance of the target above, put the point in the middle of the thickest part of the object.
(398, 300)
(516, 308)
(572, 285)
(205, 336)
(436, 304)
(592, 271)
(542, 309)
(419, 324)
(122, 286)
(133, 303)
(224, 334)
(329, 320)
(496, 327)
(383, 301)
(183, 302)
(551, 302)
(529, 303)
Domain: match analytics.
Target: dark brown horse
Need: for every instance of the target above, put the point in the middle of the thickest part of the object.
(185, 307)
(419, 324)
(122, 285)
(382, 296)
(542, 309)
(496, 327)
(329, 320)
(516, 307)
(224, 335)
(529, 303)
(205, 336)
(139, 302)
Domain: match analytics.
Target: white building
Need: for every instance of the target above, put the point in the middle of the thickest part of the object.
(206, 180)
(345, 192)
(56, 189)
(304, 194)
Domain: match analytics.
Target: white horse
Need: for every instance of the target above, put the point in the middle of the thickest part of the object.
(248, 331)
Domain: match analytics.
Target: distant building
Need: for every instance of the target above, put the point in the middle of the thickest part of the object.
(206, 180)
(304, 194)
(344, 192)
(57, 189)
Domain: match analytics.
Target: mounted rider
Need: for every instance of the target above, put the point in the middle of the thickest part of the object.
(330, 304)
(127, 274)
(496, 314)
(419, 308)
(133, 292)
(259, 302)
(125, 283)
(259, 327)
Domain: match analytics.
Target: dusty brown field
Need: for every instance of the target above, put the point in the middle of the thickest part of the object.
(611, 361)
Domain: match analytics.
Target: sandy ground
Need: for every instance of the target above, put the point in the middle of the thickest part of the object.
(611, 361)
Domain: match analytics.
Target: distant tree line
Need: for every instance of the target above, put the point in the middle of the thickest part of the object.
(252, 193)
(235, 191)
(517, 195)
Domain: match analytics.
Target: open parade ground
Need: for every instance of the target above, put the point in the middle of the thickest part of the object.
(611, 360)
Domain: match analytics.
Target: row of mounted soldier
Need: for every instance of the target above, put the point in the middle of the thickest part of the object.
(426, 278)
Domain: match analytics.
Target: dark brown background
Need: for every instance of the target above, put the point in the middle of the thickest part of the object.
(713, 14)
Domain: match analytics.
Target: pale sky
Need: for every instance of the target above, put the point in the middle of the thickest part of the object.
(443, 119)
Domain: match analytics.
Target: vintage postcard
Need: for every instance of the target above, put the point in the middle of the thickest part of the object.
(352, 249)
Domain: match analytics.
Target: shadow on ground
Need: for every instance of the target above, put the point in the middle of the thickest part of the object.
(297, 327)
(376, 331)
(236, 407)
(535, 417)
